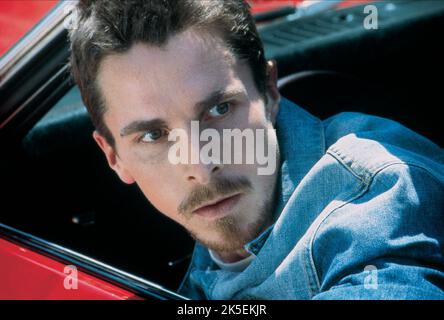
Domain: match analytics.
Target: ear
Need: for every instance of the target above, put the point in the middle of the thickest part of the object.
(273, 95)
(113, 159)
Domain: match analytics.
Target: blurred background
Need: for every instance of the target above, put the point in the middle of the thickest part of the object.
(17, 17)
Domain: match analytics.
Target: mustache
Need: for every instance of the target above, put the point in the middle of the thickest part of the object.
(221, 187)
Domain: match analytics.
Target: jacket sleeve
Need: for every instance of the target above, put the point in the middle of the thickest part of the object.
(388, 244)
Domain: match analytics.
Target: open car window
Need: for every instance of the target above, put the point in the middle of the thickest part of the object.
(75, 200)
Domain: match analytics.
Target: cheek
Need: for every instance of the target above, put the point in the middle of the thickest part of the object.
(151, 155)
(249, 116)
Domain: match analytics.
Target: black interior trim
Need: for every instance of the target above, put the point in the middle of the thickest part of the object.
(316, 42)
(41, 64)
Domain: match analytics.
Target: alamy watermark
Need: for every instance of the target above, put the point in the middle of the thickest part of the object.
(71, 281)
(371, 278)
(371, 20)
(234, 146)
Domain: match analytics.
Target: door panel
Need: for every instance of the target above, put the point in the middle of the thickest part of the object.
(25, 274)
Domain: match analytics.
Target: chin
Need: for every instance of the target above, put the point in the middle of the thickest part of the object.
(228, 238)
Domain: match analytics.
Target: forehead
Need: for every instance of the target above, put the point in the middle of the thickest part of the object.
(159, 80)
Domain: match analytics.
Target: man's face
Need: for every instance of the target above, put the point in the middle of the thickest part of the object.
(149, 91)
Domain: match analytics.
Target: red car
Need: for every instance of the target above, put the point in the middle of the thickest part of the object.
(69, 229)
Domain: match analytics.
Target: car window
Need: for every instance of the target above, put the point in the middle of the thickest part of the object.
(17, 18)
(73, 199)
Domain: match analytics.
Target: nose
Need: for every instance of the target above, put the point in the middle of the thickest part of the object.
(202, 170)
(202, 173)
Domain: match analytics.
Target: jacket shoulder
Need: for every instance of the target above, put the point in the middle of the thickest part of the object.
(385, 131)
(365, 144)
(395, 225)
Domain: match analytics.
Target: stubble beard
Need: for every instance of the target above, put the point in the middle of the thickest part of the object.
(231, 233)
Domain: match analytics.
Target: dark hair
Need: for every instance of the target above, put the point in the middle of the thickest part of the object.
(104, 27)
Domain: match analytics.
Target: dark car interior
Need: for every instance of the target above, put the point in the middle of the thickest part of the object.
(57, 185)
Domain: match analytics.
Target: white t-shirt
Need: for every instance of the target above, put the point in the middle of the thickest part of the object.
(237, 266)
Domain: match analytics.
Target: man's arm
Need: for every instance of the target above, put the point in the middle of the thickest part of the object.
(395, 280)
(387, 244)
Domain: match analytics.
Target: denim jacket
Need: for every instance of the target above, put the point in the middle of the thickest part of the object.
(359, 215)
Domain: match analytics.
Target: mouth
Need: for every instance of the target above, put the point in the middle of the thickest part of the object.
(218, 208)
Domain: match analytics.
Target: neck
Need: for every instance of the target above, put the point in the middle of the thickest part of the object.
(232, 256)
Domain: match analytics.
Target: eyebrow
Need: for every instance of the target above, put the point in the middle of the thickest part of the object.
(214, 98)
(142, 126)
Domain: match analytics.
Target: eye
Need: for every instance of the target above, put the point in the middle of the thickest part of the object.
(151, 136)
(219, 110)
